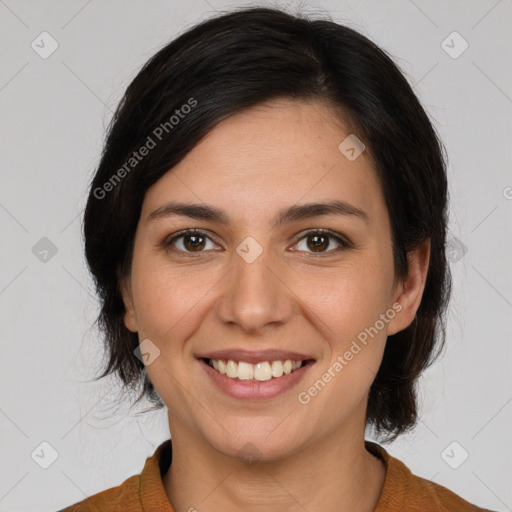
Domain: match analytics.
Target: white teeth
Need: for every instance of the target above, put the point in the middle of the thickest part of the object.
(261, 371)
(277, 368)
(245, 371)
(232, 369)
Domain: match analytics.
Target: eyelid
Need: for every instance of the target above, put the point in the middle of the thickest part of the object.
(169, 240)
(343, 241)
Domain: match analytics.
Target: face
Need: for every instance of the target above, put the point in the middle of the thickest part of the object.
(266, 277)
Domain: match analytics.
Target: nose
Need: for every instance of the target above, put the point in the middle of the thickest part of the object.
(256, 296)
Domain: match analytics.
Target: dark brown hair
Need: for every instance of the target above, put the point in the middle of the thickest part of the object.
(235, 61)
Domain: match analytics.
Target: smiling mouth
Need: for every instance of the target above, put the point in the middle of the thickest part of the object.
(261, 372)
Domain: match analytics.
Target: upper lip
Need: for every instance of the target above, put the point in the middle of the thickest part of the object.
(254, 356)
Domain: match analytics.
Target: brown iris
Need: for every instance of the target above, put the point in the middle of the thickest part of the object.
(197, 242)
(316, 245)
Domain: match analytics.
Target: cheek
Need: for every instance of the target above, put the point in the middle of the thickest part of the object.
(167, 298)
(347, 301)
(346, 307)
(346, 314)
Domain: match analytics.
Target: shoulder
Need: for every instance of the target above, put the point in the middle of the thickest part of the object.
(114, 499)
(404, 491)
(140, 492)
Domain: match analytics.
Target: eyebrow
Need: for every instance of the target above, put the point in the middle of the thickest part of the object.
(284, 216)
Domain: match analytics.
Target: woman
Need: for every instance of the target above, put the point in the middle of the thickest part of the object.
(267, 230)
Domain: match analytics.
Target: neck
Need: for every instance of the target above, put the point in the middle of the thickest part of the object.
(336, 474)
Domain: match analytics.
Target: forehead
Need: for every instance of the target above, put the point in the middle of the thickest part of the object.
(271, 156)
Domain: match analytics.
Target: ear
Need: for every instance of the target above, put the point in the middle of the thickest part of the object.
(130, 320)
(409, 290)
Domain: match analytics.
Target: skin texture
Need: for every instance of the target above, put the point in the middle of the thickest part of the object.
(292, 297)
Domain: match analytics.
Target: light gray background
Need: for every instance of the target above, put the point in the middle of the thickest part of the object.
(54, 113)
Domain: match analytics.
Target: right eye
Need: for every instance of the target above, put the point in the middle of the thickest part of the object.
(191, 241)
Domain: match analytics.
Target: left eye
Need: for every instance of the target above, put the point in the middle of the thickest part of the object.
(320, 240)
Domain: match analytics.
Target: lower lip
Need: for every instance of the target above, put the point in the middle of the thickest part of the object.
(253, 390)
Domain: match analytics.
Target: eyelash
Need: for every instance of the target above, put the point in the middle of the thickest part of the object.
(344, 244)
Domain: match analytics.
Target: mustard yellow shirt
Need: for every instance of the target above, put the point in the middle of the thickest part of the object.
(402, 491)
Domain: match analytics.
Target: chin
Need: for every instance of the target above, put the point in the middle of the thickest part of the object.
(257, 443)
